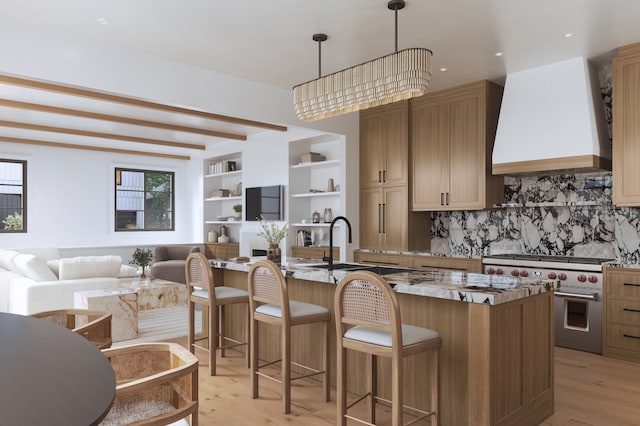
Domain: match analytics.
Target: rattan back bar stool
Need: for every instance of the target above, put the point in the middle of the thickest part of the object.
(201, 289)
(270, 304)
(368, 320)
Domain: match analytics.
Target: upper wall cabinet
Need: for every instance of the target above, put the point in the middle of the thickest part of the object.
(626, 126)
(452, 135)
(383, 158)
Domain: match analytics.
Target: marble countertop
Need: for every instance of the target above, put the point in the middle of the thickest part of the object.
(416, 253)
(438, 283)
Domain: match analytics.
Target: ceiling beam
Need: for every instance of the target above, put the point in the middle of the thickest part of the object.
(92, 148)
(87, 133)
(118, 119)
(76, 91)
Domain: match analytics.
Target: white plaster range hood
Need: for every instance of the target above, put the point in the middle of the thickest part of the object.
(552, 121)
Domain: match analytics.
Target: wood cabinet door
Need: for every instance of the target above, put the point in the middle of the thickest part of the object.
(371, 218)
(396, 145)
(395, 213)
(466, 132)
(626, 131)
(430, 155)
(372, 150)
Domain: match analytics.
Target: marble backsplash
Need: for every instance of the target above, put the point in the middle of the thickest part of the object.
(552, 215)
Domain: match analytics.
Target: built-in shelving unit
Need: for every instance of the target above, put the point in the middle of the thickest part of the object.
(222, 190)
(310, 191)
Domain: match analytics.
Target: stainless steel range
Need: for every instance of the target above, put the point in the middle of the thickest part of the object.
(578, 301)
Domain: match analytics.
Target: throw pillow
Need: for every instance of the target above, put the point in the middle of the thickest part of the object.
(127, 271)
(54, 265)
(32, 267)
(73, 268)
(6, 259)
(160, 254)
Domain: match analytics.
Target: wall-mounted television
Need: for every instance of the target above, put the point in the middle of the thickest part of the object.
(265, 201)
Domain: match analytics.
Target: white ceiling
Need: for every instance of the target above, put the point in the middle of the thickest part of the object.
(270, 41)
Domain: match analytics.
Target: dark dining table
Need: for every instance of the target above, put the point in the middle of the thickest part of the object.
(51, 376)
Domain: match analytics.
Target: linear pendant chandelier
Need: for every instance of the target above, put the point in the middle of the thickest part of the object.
(401, 75)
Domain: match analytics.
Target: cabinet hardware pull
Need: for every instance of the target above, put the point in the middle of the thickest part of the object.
(379, 176)
(446, 197)
(384, 176)
(630, 336)
(632, 284)
(384, 218)
(631, 310)
(379, 218)
(593, 296)
(442, 198)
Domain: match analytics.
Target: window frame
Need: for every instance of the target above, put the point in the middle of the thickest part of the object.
(24, 197)
(117, 171)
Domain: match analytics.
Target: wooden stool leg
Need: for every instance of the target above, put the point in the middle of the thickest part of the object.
(326, 364)
(213, 325)
(254, 358)
(372, 386)
(286, 369)
(341, 384)
(396, 391)
(192, 328)
(247, 338)
(220, 329)
(435, 387)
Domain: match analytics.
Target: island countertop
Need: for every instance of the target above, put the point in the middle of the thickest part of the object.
(437, 283)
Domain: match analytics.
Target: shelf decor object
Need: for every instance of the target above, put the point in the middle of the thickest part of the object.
(401, 75)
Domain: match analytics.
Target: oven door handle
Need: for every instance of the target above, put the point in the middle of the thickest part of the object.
(566, 295)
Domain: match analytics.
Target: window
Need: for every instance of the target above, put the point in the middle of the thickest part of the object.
(144, 200)
(13, 199)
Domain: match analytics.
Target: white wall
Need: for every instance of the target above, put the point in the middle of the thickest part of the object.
(57, 175)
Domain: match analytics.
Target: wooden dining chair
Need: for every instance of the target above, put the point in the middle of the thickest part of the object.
(368, 320)
(156, 384)
(95, 326)
(270, 304)
(201, 289)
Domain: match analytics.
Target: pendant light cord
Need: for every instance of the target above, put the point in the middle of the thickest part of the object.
(319, 38)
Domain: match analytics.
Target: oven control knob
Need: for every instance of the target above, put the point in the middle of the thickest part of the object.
(524, 273)
(515, 273)
(490, 271)
(551, 275)
(582, 278)
(562, 276)
(499, 271)
(593, 279)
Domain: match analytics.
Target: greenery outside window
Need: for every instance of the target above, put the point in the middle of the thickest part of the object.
(144, 200)
(13, 199)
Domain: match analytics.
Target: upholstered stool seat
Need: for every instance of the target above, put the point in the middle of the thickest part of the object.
(368, 320)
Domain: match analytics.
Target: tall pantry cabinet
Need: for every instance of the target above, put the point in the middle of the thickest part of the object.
(452, 135)
(386, 221)
(626, 126)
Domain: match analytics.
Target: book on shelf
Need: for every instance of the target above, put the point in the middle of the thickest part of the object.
(225, 166)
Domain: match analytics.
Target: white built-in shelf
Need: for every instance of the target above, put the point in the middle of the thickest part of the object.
(223, 222)
(317, 164)
(316, 194)
(223, 198)
(226, 174)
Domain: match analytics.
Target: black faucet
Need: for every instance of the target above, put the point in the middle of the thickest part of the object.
(333, 222)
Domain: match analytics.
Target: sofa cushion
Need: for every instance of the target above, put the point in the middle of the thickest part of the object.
(128, 271)
(30, 266)
(89, 267)
(6, 259)
(160, 254)
(54, 265)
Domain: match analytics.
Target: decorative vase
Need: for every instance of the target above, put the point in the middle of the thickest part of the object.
(328, 215)
(274, 254)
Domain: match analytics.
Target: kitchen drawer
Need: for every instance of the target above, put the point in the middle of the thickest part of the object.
(622, 283)
(623, 337)
(455, 264)
(624, 311)
(383, 259)
(314, 252)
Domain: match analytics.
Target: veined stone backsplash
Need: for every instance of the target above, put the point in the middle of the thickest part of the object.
(552, 215)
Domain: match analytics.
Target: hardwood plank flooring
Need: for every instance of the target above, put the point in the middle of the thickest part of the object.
(590, 390)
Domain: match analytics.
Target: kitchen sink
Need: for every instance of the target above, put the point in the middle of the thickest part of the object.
(380, 270)
(344, 266)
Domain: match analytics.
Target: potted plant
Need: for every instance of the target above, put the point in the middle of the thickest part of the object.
(273, 234)
(142, 257)
(238, 209)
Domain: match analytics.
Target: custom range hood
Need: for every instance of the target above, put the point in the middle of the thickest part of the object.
(552, 121)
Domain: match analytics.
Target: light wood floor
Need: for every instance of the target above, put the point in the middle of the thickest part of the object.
(591, 390)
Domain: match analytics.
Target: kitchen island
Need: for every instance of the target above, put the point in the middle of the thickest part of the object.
(497, 339)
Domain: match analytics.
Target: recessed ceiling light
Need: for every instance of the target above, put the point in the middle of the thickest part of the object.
(103, 21)
(567, 35)
(500, 53)
(443, 69)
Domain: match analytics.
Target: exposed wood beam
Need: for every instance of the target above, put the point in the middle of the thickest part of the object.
(87, 133)
(92, 148)
(75, 91)
(118, 119)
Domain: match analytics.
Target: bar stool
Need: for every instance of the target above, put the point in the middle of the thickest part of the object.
(269, 303)
(368, 320)
(201, 290)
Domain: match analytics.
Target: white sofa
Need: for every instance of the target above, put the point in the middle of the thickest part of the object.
(37, 280)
